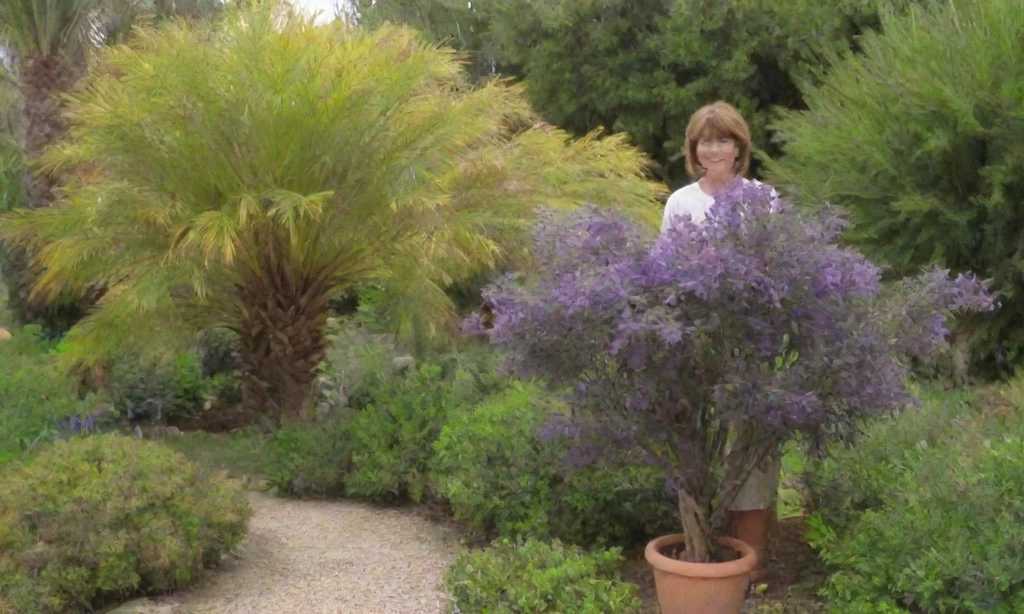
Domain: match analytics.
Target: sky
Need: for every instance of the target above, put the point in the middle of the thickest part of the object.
(325, 7)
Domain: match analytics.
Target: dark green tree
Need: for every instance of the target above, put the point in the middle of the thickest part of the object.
(643, 66)
(921, 139)
(455, 23)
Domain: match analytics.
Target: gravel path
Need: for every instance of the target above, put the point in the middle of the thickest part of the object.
(327, 557)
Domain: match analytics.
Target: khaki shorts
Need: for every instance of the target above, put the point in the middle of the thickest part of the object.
(758, 491)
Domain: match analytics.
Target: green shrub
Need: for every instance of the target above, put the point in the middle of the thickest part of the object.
(34, 394)
(919, 139)
(148, 390)
(310, 460)
(932, 522)
(376, 439)
(357, 364)
(493, 470)
(225, 388)
(853, 479)
(358, 367)
(218, 351)
(535, 577)
(501, 479)
(392, 438)
(98, 518)
(479, 369)
(622, 501)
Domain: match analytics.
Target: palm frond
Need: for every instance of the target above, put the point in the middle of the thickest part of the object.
(270, 150)
(48, 27)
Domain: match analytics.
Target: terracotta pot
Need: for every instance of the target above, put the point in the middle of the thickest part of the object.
(700, 588)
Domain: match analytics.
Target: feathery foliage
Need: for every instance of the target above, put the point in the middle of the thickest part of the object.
(45, 46)
(921, 140)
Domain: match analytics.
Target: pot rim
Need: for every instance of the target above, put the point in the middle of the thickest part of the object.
(741, 566)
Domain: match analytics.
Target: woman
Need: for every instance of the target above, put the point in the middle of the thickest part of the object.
(717, 153)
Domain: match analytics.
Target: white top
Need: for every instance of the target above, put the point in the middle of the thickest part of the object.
(689, 200)
(693, 201)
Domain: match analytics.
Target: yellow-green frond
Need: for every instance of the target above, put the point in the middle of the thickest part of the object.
(213, 235)
(270, 148)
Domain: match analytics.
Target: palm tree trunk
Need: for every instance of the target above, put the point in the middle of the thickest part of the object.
(281, 342)
(43, 80)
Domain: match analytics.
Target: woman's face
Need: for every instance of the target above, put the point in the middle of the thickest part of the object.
(717, 154)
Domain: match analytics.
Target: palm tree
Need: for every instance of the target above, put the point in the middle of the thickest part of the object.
(49, 38)
(45, 41)
(49, 43)
(245, 175)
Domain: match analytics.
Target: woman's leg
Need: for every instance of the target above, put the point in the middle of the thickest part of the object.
(750, 512)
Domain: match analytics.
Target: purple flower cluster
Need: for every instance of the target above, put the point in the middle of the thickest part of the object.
(755, 324)
(76, 425)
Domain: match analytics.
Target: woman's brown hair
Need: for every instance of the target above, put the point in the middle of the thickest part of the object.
(717, 120)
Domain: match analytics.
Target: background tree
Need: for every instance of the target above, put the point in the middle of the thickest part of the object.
(919, 138)
(45, 44)
(459, 24)
(10, 172)
(10, 155)
(245, 176)
(643, 66)
(638, 66)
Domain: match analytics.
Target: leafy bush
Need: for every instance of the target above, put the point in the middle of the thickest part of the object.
(619, 501)
(310, 460)
(218, 351)
(919, 139)
(356, 364)
(392, 438)
(93, 519)
(932, 522)
(493, 470)
(534, 577)
(377, 439)
(147, 390)
(502, 479)
(35, 396)
(850, 480)
(225, 388)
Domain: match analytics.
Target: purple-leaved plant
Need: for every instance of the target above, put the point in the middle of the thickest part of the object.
(713, 345)
(77, 426)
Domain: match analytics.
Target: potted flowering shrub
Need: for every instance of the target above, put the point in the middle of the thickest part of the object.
(713, 345)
